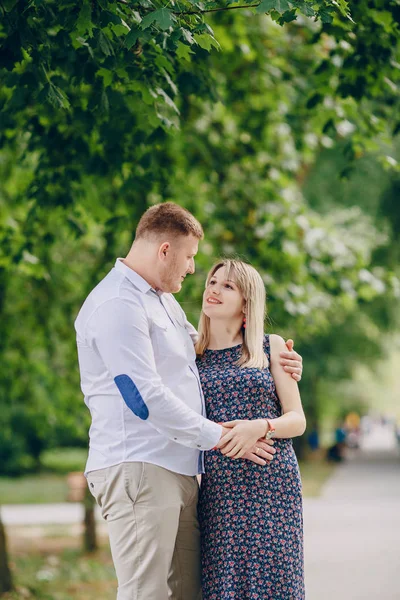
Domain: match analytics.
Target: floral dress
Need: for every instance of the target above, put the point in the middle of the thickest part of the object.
(251, 517)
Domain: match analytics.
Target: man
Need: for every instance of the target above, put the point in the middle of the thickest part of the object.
(141, 385)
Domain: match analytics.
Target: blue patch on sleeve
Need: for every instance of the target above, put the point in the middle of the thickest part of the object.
(132, 396)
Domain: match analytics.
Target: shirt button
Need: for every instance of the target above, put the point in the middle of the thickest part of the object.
(198, 445)
(175, 439)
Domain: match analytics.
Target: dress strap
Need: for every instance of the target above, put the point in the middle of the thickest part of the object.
(267, 348)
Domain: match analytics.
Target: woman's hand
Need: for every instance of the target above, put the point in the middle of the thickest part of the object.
(242, 436)
(260, 453)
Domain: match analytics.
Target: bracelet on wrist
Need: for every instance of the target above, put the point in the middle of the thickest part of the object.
(270, 431)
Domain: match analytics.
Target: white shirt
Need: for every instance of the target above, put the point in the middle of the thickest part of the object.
(139, 377)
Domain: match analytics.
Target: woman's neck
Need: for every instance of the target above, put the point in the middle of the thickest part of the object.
(224, 335)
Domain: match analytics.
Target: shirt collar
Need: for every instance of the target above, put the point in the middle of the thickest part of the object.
(134, 277)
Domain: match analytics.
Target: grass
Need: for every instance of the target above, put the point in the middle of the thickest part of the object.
(33, 489)
(314, 474)
(52, 487)
(48, 486)
(64, 460)
(54, 571)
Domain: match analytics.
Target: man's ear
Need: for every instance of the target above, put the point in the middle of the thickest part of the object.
(164, 249)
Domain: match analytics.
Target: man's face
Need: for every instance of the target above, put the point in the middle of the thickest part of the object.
(178, 263)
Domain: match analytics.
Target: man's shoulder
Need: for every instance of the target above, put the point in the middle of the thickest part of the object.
(111, 291)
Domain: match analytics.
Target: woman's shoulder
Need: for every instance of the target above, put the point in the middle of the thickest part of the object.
(274, 343)
(275, 339)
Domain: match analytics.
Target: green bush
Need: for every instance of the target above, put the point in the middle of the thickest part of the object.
(64, 460)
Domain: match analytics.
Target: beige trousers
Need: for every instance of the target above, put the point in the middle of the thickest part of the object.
(154, 534)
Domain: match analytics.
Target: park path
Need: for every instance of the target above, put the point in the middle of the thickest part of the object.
(352, 531)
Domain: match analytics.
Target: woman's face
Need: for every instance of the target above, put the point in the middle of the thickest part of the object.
(222, 298)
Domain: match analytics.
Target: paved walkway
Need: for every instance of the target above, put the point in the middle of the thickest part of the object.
(352, 532)
(44, 514)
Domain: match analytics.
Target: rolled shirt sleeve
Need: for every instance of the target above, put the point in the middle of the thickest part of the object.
(119, 330)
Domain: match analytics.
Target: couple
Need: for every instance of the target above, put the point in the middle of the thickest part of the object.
(161, 416)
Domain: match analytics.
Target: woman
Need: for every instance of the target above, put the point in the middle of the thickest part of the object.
(250, 515)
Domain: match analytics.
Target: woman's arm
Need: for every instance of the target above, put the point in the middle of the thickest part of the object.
(293, 422)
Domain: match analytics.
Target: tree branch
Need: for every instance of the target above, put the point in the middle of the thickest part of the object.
(202, 12)
(209, 10)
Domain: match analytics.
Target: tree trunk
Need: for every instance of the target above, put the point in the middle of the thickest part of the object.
(89, 534)
(5, 573)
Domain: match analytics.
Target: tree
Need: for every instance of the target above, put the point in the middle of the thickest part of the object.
(89, 523)
(5, 573)
(93, 96)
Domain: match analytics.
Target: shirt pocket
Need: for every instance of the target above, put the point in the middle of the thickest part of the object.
(184, 334)
(163, 337)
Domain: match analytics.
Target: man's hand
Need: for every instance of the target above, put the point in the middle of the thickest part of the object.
(242, 436)
(260, 453)
(291, 361)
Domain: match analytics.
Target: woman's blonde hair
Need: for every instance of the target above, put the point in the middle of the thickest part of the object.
(251, 286)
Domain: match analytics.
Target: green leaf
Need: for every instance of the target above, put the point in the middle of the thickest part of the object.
(83, 42)
(344, 9)
(104, 102)
(106, 75)
(105, 44)
(9, 5)
(84, 22)
(206, 41)
(161, 17)
(325, 14)
(288, 17)
(280, 6)
(132, 37)
(108, 17)
(120, 30)
(163, 63)
(383, 18)
(56, 97)
(188, 36)
(183, 52)
(147, 93)
(168, 99)
(307, 9)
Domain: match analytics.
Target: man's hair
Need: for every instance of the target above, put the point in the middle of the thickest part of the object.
(168, 218)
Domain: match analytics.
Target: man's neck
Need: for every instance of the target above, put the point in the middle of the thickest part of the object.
(136, 264)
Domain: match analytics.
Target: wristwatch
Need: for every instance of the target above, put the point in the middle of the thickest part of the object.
(271, 430)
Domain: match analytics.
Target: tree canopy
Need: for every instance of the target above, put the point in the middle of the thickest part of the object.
(109, 107)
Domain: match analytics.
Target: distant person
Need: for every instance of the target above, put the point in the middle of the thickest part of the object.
(313, 439)
(251, 518)
(149, 430)
(336, 451)
(397, 431)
